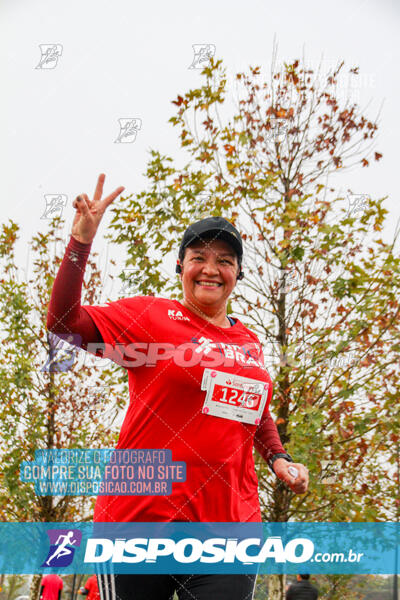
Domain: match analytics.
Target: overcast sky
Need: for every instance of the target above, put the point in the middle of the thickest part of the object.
(123, 59)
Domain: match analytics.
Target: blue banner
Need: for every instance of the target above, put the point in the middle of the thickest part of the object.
(334, 548)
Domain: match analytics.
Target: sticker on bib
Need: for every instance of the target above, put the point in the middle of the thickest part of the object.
(233, 396)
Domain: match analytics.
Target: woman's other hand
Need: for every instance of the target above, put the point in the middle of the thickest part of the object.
(298, 484)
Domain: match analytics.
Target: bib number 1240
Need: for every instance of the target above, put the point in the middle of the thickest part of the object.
(236, 397)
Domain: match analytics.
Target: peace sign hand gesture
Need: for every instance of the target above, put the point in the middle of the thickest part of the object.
(89, 213)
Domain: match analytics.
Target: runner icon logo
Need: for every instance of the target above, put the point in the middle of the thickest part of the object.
(63, 543)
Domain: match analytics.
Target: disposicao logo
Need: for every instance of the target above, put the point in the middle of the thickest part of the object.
(63, 543)
(190, 550)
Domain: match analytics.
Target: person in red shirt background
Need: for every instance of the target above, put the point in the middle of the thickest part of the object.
(51, 587)
(173, 404)
(90, 589)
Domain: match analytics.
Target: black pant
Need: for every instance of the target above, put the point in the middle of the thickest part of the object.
(187, 587)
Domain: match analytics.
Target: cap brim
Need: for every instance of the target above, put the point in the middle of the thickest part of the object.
(218, 234)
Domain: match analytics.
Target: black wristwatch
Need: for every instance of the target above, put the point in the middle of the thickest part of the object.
(274, 457)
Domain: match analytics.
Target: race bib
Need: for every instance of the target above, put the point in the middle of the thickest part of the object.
(233, 396)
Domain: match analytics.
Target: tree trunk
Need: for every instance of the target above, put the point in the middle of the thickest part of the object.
(276, 587)
(35, 587)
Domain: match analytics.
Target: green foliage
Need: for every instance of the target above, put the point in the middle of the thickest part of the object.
(39, 409)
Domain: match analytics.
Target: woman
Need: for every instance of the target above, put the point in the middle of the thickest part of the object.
(198, 407)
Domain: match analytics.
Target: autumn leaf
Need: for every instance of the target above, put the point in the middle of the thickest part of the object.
(229, 149)
(178, 102)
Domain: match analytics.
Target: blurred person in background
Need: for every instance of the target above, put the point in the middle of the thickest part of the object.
(51, 587)
(302, 589)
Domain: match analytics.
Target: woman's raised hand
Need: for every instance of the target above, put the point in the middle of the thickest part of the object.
(90, 212)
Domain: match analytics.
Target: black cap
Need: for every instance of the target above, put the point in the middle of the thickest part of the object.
(215, 228)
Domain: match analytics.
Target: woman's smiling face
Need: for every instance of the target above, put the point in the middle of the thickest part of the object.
(209, 273)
